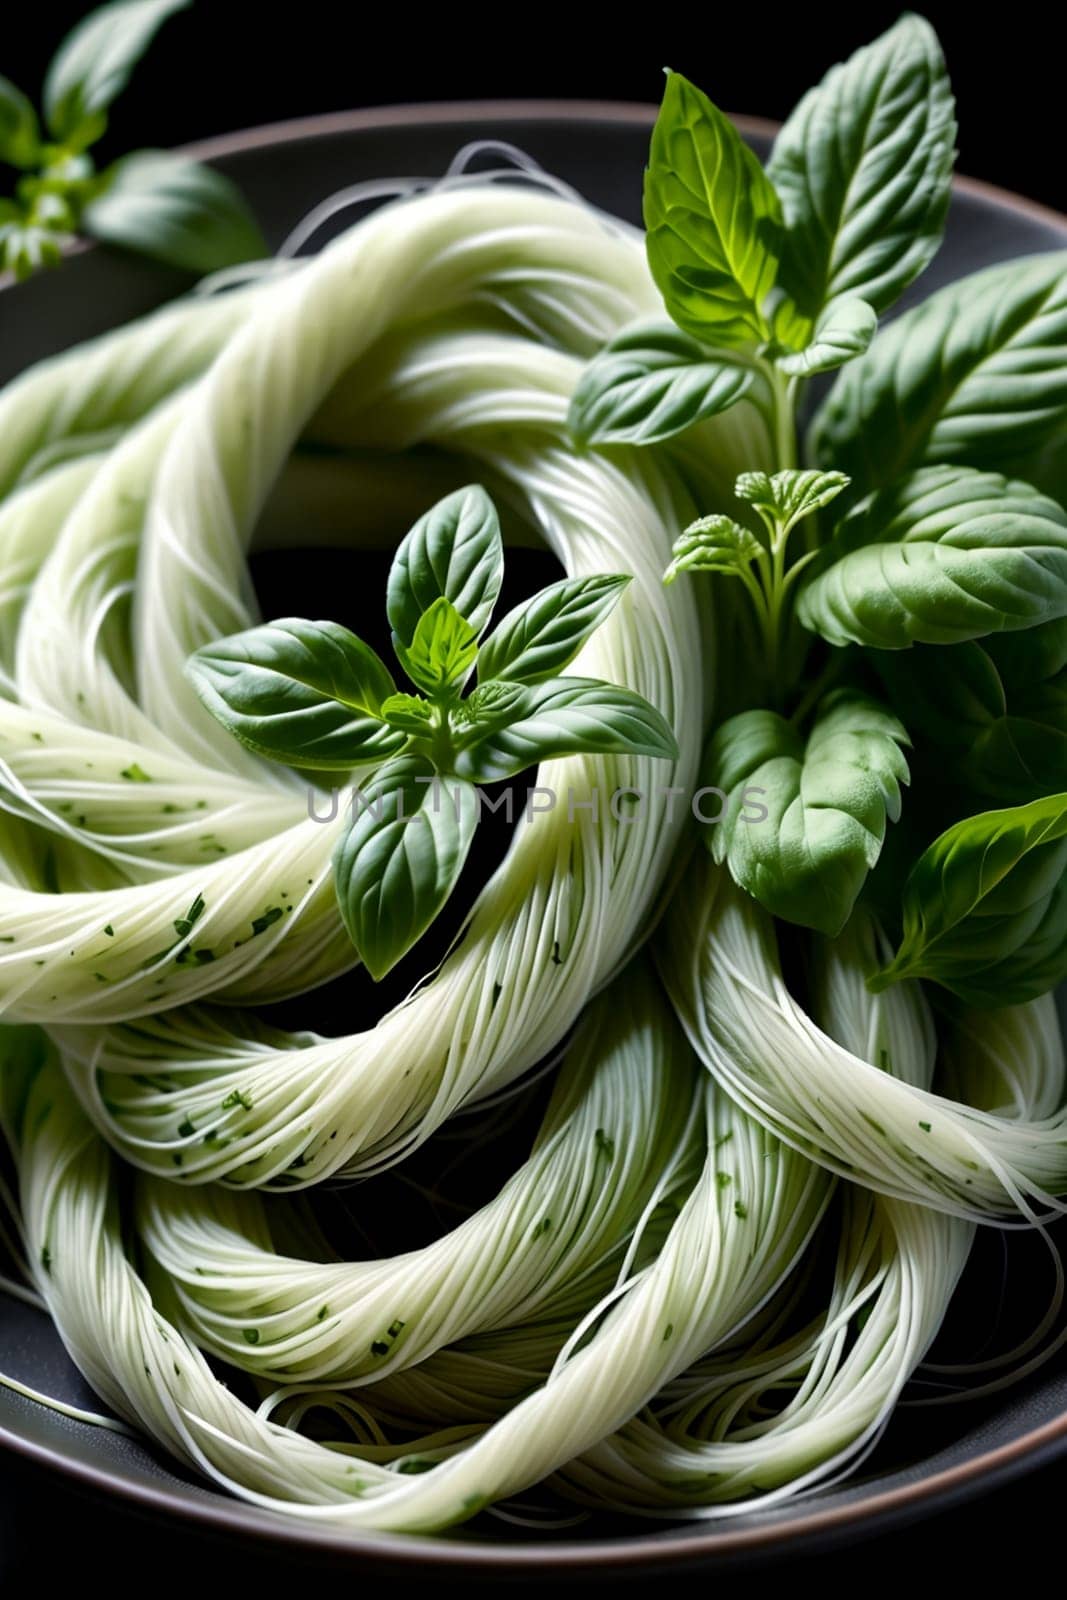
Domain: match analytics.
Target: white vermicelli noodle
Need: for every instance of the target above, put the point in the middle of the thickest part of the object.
(626, 1318)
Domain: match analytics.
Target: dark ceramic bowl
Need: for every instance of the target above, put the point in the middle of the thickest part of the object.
(930, 1459)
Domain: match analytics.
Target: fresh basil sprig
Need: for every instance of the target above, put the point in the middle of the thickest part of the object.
(771, 275)
(720, 544)
(985, 907)
(313, 695)
(931, 562)
(156, 203)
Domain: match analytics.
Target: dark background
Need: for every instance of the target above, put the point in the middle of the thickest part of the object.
(229, 64)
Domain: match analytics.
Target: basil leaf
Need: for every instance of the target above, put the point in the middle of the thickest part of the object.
(649, 383)
(568, 716)
(1004, 724)
(306, 693)
(826, 802)
(1033, 656)
(977, 374)
(864, 167)
(408, 711)
(539, 638)
(400, 857)
(842, 333)
(784, 498)
(175, 211)
(490, 706)
(946, 554)
(713, 544)
(20, 135)
(453, 552)
(1023, 754)
(950, 697)
(443, 650)
(93, 64)
(985, 907)
(713, 221)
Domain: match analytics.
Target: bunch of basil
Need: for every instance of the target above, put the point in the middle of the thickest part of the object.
(906, 585)
(153, 202)
(312, 695)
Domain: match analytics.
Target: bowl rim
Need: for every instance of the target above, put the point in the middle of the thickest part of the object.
(635, 113)
(716, 1540)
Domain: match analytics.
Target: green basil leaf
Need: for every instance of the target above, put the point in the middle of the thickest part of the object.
(740, 746)
(1023, 754)
(985, 907)
(713, 544)
(946, 554)
(400, 857)
(825, 801)
(568, 716)
(714, 224)
(443, 650)
(541, 636)
(305, 693)
(408, 711)
(20, 134)
(842, 333)
(864, 167)
(784, 498)
(649, 383)
(1001, 713)
(977, 374)
(453, 552)
(1033, 656)
(176, 211)
(949, 697)
(93, 64)
(491, 705)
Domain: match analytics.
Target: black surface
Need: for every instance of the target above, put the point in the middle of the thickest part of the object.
(229, 64)
(49, 1527)
(51, 1533)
